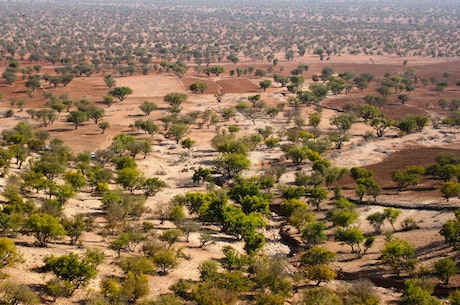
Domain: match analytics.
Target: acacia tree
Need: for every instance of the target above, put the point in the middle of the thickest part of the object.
(399, 254)
(317, 259)
(265, 84)
(121, 92)
(178, 131)
(230, 164)
(77, 118)
(71, 271)
(147, 107)
(44, 227)
(175, 99)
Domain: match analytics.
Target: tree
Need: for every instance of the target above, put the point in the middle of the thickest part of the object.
(33, 82)
(9, 255)
(77, 118)
(103, 126)
(108, 100)
(202, 175)
(95, 114)
(147, 107)
(376, 220)
(175, 99)
(316, 195)
(121, 92)
(320, 273)
(153, 185)
(317, 255)
(198, 87)
(187, 143)
(391, 215)
(165, 260)
(450, 189)
(44, 227)
(74, 227)
(130, 178)
(9, 76)
(265, 84)
(353, 237)
(219, 95)
(403, 98)
(343, 122)
(230, 165)
(342, 217)
(289, 55)
(418, 292)
(361, 292)
(399, 254)
(444, 269)
(178, 131)
(451, 232)
(128, 291)
(410, 176)
(109, 81)
(13, 293)
(46, 116)
(73, 271)
(313, 233)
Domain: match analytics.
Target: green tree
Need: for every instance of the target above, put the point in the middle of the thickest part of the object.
(376, 220)
(121, 92)
(130, 178)
(44, 227)
(147, 107)
(450, 230)
(444, 269)
(178, 131)
(316, 195)
(73, 271)
(13, 293)
(110, 81)
(418, 292)
(265, 84)
(230, 165)
(165, 260)
(353, 237)
(361, 292)
(175, 99)
(33, 83)
(108, 100)
(399, 254)
(391, 215)
(198, 87)
(77, 118)
(9, 76)
(103, 126)
(450, 189)
(410, 176)
(9, 255)
(153, 185)
(47, 116)
(317, 255)
(95, 114)
(314, 233)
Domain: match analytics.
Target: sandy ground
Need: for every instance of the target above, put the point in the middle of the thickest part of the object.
(169, 162)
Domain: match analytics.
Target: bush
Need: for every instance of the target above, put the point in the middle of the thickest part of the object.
(408, 224)
(9, 113)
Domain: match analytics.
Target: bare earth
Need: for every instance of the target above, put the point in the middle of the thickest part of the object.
(168, 161)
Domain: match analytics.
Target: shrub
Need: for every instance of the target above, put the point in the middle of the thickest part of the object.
(408, 224)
